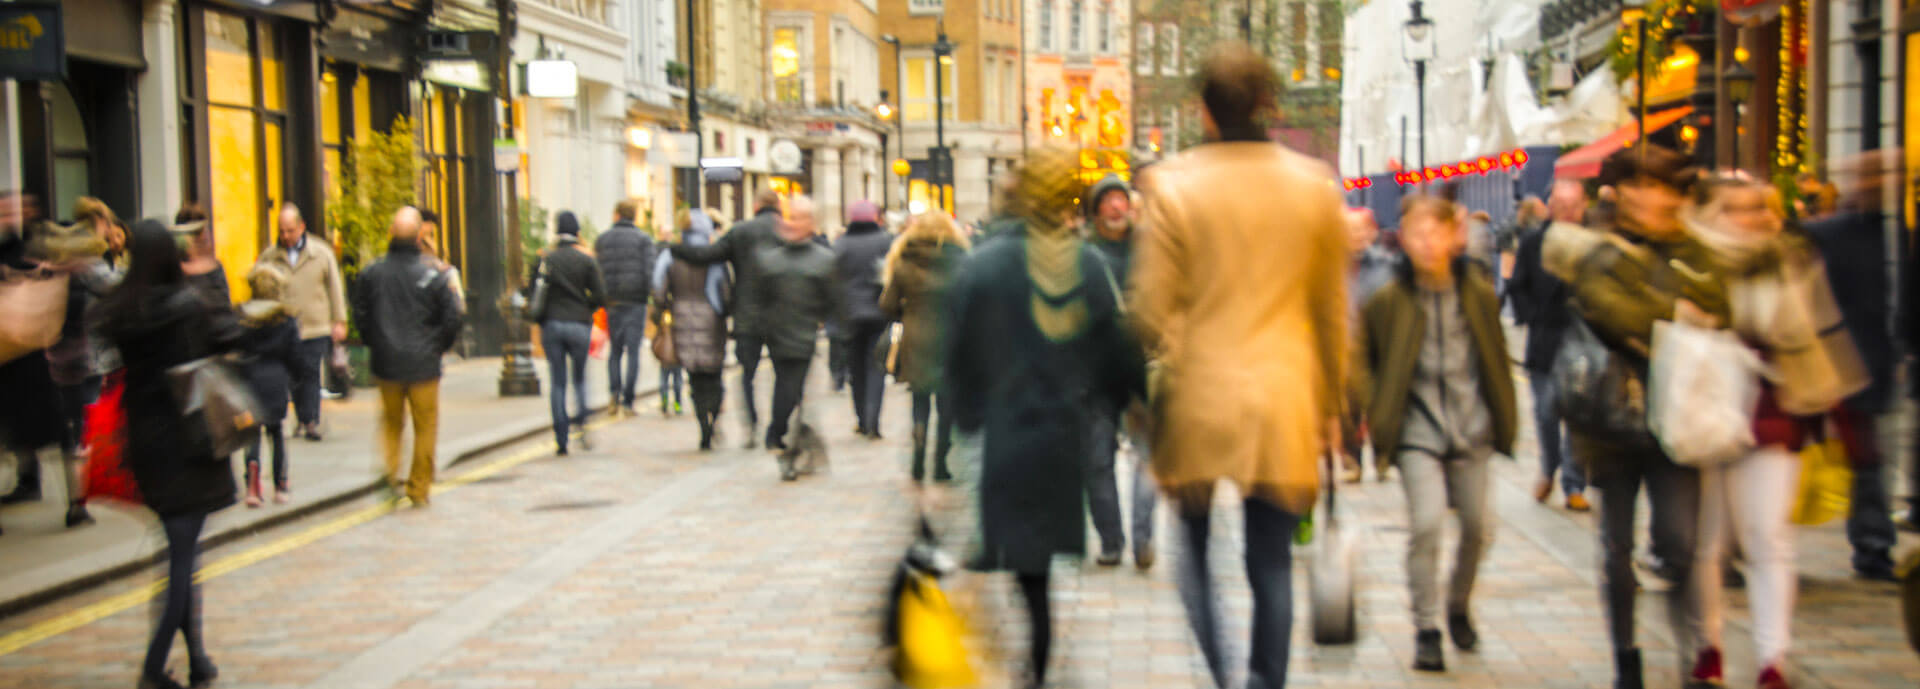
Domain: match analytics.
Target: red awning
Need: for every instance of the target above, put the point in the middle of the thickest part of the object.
(1584, 162)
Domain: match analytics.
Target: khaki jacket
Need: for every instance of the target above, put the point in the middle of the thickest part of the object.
(1387, 348)
(1239, 289)
(316, 294)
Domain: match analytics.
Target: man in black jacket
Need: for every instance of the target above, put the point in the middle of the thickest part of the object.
(797, 291)
(741, 248)
(858, 257)
(626, 260)
(1540, 303)
(408, 318)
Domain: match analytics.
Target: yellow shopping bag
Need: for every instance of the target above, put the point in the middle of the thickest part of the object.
(932, 652)
(1826, 483)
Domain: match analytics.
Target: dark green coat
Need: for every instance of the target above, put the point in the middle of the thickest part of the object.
(796, 293)
(1390, 334)
(1029, 394)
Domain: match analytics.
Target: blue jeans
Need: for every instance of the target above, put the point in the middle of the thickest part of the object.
(1269, 558)
(1554, 453)
(626, 331)
(671, 379)
(566, 344)
(1103, 490)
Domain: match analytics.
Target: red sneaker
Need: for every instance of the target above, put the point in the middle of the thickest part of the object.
(1771, 678)
(1707, 671)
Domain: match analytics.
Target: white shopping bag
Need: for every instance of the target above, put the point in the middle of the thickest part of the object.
(1702, 392)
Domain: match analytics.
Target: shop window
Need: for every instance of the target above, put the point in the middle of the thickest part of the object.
(245, 120)
(72, 157)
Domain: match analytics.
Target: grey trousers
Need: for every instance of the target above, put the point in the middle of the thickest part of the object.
(1432, 484)
(1103, 490)
(1673, 494)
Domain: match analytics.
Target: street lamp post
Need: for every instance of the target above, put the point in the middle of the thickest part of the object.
(900, 121)
(885, 112)
(1637, 11)
(1419, 48)
(1739, 82)
(698, 184)
(943, 56)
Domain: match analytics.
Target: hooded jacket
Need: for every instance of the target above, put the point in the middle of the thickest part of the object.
(626, 262)
(858, 258)
(1119, 254)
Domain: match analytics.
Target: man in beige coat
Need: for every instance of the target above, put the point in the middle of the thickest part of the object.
(1242, 297)
(316, 296)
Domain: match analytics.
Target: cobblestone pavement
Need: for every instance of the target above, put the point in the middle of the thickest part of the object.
(644, 564)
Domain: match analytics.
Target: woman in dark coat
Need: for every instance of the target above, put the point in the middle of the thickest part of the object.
(1034, 328)
(919, 270)
(158, 321)
(272, 334)
(697, 299)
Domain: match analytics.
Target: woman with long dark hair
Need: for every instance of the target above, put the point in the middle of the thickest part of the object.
(158, 320)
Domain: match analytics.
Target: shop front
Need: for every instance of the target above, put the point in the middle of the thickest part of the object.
(79, 135)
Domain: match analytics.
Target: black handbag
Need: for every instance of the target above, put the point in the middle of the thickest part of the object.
(537, 299)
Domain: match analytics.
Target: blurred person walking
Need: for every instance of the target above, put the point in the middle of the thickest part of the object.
(1434, 377)
(199, 261)
(316, 297)
(408, 318)
(742, 248)
(158, 319)
(626, 257)
(920, 270)
(575, 289)
(1373, 267)
(1243, 298)
(696, 298)
(272, 349)
(30, 416)
(1624, 276)
(1540, 303)
(1034, 330)
(1751, 496)
(82, 358)
(859, 256)
(1109, 209)
(798, 295)
(1853, 243)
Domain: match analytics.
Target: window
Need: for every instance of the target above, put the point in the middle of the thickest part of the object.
(242, 96)
(917, 104)
(750, 148)
(1010, 105)
(1329, 36)
(1106, 28)
(1143, 50)
(719, 141)
(1046, 26)
(1076, 26)
(1170, 47)
(787, 65)
(1297, 45)
(992, 90)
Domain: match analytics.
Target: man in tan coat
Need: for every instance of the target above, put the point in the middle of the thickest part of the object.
(317, 297)
(1242, 297)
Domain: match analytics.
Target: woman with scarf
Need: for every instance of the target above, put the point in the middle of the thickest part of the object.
(1749, 497)
(1033, 330)
(697, 299)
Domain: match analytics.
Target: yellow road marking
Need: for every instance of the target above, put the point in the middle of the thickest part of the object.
(122, 602)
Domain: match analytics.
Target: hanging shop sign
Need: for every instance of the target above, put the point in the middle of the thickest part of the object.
(723, 170)
(33, 41)
(553, 79)
(459, 73)
(506, 155)
(785, 157)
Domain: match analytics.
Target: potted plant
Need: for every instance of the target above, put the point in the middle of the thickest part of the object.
(381, 169)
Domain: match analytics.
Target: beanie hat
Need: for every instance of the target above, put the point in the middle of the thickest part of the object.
(863, 211)
(566, 224)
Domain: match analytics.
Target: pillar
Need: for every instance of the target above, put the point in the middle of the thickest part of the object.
(159, 116)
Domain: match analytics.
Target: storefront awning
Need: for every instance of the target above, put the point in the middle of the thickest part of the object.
(1584, 162)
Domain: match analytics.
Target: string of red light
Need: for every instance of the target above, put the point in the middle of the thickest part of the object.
(1484, 165)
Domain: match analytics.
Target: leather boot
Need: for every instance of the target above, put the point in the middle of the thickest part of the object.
(1626, 670)
(919, 451)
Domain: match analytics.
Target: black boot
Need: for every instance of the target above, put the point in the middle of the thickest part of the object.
(1427, 654)
(919, 451)
(706, 431)
(77, 514)
(1626, 670)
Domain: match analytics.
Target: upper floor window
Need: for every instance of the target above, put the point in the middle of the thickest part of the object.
(1046, 26)
(1143, 49)
(916, 105)
(1170, 48)
(1106, 27)
(789, 78)
(1076, 26)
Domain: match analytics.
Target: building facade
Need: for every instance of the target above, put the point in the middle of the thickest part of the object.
(1079, 87)
(980, 97)
(822, 67)
(656, 93)
(575, 149)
